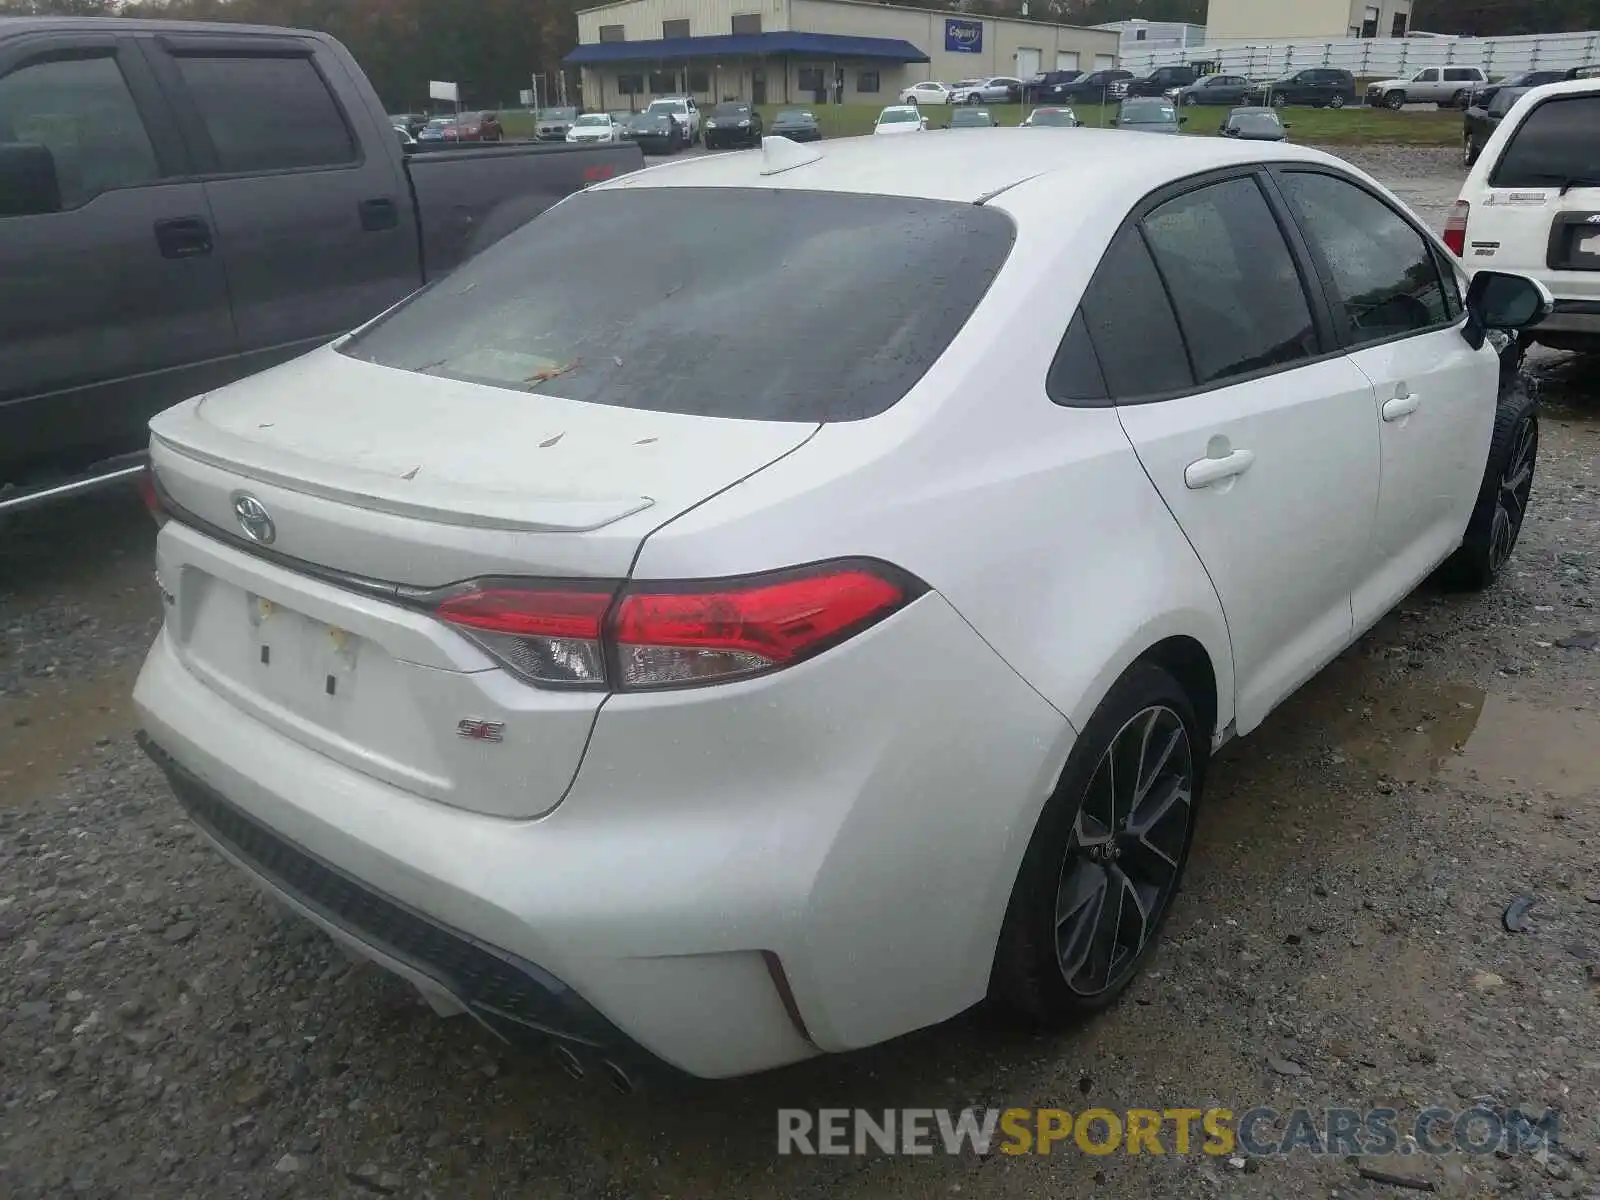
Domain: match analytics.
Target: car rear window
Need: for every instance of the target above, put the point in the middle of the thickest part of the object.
(764, 304)
(1558, 143)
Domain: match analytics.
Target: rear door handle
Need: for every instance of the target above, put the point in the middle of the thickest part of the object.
(183, 237)
(379, 214)
(1210, 471)
(1401, 407)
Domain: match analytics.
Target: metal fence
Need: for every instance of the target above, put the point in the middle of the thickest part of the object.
(1369, 58)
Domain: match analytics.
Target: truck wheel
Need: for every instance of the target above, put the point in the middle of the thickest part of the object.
(1503, 499)
(1280, 101)
(1336, 102)
(1107, 855)
(1459, 100)
(1394, 101)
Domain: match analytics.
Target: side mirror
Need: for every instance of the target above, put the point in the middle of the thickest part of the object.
(1500, 300)
(29, 185)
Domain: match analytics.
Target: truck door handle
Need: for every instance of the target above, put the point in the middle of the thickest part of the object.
(1401, 407)
(183, 237)
(1209, 471)
(379, 214)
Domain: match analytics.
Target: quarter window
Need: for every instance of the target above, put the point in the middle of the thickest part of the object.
(80, 110)
(1378, 271)
(1233, 282)
(1130, 324)
(267, 114)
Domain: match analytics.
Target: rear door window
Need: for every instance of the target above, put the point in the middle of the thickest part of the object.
(1558, 144)
(778, 305)
(267, 113)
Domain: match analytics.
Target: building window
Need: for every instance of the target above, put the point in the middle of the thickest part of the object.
(1399, 29)
(662, 81)
(810, 79)
(867, 81)
(747, 22)
(675, 29)
(1141, 35)
(699, 81)
(630, 85)
(613, 33)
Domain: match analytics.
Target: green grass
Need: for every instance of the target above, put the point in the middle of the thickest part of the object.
(1320, 126)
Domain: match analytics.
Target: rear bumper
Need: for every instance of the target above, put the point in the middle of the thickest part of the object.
(740, 877)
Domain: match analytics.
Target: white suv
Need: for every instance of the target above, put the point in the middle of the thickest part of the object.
(1448, 87)
(722, 702)
(684, 112)
(1531, 204)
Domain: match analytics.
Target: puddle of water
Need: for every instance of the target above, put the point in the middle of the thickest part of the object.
(1464, 736)
(44, 735)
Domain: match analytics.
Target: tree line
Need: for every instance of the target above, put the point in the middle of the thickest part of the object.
(493, 47)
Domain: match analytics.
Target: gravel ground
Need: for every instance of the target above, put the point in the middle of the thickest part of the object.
(1340, 942)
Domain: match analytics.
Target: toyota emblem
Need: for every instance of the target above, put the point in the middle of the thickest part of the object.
(254, 519)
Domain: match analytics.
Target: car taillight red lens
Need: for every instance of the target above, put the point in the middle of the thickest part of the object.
(673, 635)
(151, 496)
(666, 638)
(546, 634)
(1455, 229)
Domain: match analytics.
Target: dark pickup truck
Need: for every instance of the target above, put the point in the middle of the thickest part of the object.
(182, 205)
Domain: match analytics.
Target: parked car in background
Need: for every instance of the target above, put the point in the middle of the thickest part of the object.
(796, 124)
(479, 127)
(572, 653)
(439, 129)
(1048, 87)
(655, 133)
(403, 135)
(1056, 117)
(927, 92)
(1162, 81)
(1149, 114)
(1531, 204)
(1483, 96)
(733, 123)
(246, 201)
(412, 123)
(1229, 90)
(684, 111)
(1479, 122)
(623, 117)
(1448, 87)
(997, 89)
(898, 119)
(1097, 87)
(595, 129)
(553, 123)
(968, 117)
(1255, 125)
(1314, 87)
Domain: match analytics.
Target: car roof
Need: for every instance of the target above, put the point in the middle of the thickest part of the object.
(1568, 87)
(1101, 161)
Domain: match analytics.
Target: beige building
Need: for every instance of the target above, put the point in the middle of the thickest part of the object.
(808, 51)
(1305, 20)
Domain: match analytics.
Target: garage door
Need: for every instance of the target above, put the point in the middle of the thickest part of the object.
(1067, 60)
(1027, 63)
(1104, 62)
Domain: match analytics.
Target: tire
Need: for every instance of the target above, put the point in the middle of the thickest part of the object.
(1336, 102)
(1190, 100)
(1459, 100)
(973, 99)
(1503, 498)
(1279, 100)
(1039, 975)
(1394, 101)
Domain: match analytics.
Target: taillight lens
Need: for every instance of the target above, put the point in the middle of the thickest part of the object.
(543, 633)
(664, 635)
(151, 495)
(1455, 229)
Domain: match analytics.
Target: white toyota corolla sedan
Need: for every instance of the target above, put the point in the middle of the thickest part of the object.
(717, 701)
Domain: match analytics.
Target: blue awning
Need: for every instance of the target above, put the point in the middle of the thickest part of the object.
(748, 45)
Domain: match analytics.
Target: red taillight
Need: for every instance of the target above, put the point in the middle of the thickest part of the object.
(664, 638)
(151, 495)
(546, 633)
(672, 635)
(1455, 229)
